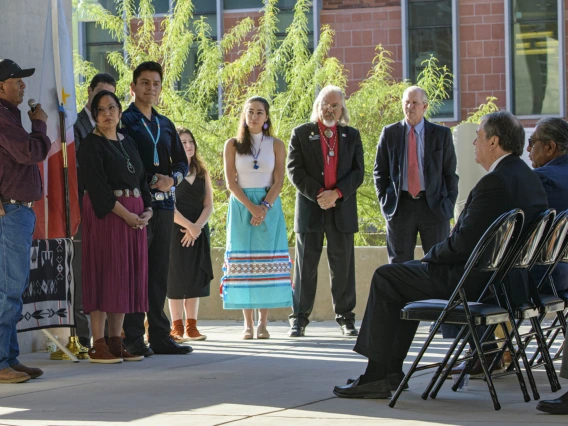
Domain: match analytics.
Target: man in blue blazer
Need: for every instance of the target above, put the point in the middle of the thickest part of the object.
(415, 179)
(384, 338)
(548, 151)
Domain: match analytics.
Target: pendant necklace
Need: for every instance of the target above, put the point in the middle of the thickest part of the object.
(253, 151)
(329, 134)
(123, 154)
(155, 140)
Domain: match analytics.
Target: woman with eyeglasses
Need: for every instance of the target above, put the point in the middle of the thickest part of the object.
(257, 263)
(116, 209)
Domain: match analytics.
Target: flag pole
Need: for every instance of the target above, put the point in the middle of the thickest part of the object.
(73, 345)
(65, 172)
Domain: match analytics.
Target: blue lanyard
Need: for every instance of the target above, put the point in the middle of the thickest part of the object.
(155, 140)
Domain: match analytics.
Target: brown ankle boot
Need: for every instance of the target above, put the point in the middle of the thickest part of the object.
(176, 332)
(117, 348)
(100, 353)
(191, 330)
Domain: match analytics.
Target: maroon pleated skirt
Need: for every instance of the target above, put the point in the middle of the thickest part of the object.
(115, 261)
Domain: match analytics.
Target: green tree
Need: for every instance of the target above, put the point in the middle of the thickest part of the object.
(262, 62)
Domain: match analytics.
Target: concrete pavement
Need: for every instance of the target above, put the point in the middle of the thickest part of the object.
(227, 381)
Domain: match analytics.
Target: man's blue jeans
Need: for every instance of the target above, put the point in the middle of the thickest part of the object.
(16, 229)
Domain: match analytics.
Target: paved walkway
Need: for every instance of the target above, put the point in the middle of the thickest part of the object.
(227, 381)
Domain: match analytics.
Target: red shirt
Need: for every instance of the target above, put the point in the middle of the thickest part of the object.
(329, 161)
(20, 152)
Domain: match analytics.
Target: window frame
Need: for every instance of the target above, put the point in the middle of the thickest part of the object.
(510, 78)
(455, 57)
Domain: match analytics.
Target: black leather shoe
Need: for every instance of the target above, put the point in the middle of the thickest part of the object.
(349, 330)
(395, 379)
(139, 348)
(554, 406)
(167, 346)
(297, 331)
(373, 390)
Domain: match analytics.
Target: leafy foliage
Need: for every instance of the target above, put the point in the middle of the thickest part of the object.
(283, 70)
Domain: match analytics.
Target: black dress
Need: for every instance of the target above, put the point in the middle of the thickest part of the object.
(191, 271)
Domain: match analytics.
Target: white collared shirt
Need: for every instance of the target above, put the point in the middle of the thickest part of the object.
(90, 117)
(494, 165)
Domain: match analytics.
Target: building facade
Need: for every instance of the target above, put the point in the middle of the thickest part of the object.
(513, 50)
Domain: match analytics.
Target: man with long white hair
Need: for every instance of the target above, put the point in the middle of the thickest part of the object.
(325, 164)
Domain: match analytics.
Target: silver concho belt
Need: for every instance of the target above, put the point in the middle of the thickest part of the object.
(127, 192)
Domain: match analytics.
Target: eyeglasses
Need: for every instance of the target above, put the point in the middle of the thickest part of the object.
(333, 107)
(111, 109)
(532, 141)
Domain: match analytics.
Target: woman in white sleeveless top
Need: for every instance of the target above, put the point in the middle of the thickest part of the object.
(257, 263)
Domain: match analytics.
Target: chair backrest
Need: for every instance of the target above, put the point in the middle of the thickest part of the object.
(532, 241)
(554, 243)
(491, 248)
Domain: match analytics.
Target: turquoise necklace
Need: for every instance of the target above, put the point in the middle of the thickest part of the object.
(155, 140)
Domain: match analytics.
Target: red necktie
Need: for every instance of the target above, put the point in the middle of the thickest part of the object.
(412, 176)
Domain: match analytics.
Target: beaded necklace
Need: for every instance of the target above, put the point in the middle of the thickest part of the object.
(253, 151)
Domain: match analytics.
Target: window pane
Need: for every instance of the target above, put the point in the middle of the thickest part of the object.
(98, 43)
(535, 57)
(204, 6)
(250, 4)
(430, 33)
(160, 6)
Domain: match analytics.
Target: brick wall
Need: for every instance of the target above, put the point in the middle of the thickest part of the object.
(358, 32)
(482, 53)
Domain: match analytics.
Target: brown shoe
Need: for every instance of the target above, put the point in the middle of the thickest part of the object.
(116, 347)
(176, 333)
(9, 375)
(100, 354)
(33, 372)
(477, 370)
(191, 330)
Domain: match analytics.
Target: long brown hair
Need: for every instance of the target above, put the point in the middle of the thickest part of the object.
(243, 141)
(196, 166)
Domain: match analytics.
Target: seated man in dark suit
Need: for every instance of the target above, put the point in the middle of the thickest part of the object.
(384, 338)
(548, 151)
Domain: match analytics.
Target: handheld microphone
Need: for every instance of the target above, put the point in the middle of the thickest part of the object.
(32, 103)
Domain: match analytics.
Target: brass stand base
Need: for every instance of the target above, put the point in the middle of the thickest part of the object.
(74, 347)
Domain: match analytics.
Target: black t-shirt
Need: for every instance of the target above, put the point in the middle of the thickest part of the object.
(104, 170)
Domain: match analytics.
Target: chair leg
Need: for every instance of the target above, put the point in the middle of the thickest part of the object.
(408, 375)
(444, 363)
(515, 362)
(479, 351)
(450, 366)
(522, 353)
(548, 366)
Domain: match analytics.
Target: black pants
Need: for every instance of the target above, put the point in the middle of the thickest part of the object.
(159, 240)
(413, 217)
(384, 337)
(341, 260)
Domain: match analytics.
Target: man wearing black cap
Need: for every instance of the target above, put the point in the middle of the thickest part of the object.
(20, 186)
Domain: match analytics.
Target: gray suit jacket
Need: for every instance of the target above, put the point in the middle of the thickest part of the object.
(81, 129)
(440, 175)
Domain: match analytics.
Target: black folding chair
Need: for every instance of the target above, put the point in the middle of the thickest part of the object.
(524, 256)
(553, 252)
(488, 255)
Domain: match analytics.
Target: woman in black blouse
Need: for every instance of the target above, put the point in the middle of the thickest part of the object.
(116, 209)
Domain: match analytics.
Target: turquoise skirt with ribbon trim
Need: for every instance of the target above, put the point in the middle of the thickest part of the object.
(257, 263)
